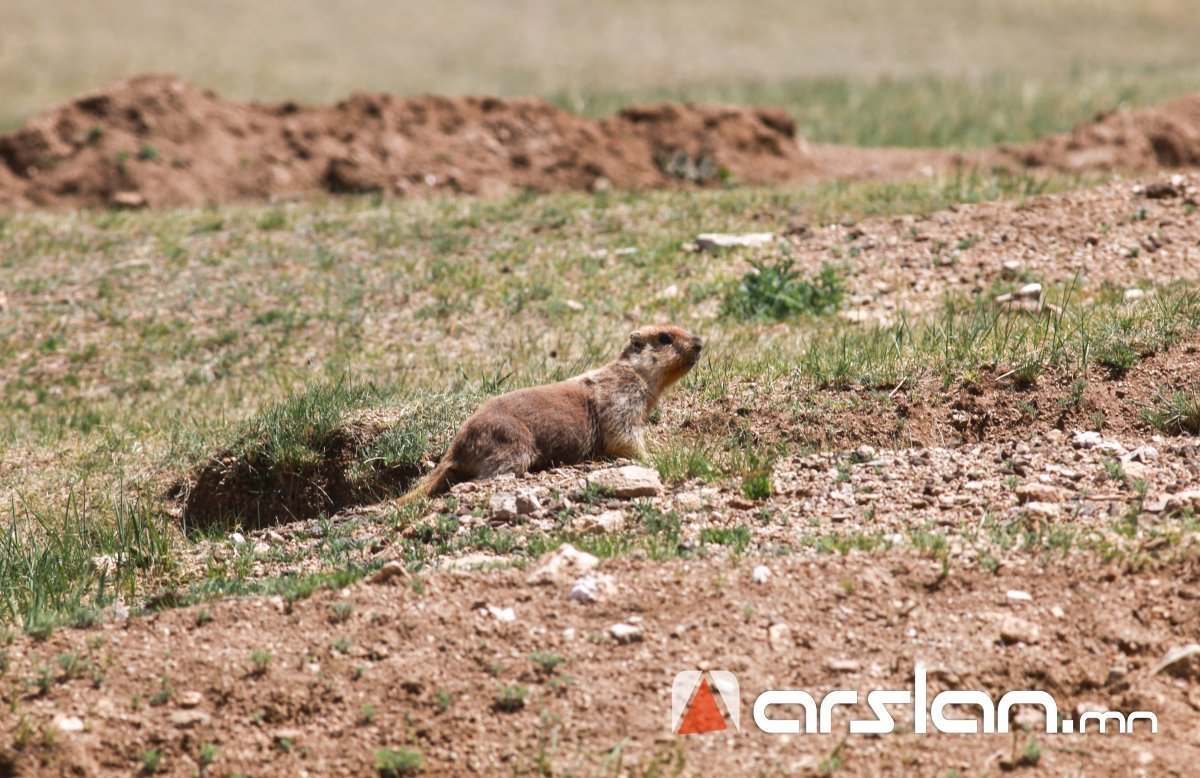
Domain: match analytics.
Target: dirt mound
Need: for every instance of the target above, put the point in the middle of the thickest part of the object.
(153, 140)
(242, 484)
(1166, 136)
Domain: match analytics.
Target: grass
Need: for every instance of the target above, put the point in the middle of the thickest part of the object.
(1174, 413)
(928, 73)
(136, 345)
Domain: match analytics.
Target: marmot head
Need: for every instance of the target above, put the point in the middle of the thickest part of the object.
(662, 354)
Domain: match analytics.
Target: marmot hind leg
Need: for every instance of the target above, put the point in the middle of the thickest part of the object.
(495, 447)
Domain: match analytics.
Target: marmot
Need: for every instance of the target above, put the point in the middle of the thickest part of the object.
(599, 414)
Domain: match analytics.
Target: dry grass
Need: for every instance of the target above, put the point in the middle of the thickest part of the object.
(1070, 57)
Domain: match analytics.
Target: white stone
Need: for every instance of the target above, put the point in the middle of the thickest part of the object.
(761, 574)
(565, 563)
(68, 723)
(1017, 594)
(527, 501)
(591, 588)
(503, 507)
(628, 481)
(707, 241)
(502, 614)
(1015, 630)
(625, 633)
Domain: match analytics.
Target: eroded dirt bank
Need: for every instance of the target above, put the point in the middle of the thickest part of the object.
(155, 141)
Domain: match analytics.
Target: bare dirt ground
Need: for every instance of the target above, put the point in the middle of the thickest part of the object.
(381, 665)
(156, 141)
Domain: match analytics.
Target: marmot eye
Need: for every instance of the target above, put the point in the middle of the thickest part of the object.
(664, 339)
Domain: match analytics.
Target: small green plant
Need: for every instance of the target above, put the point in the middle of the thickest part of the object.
(511, 698)
(443, 699)
(147, 153)
(366, 714)
(390, 763)
(151, 760)
(342, 610)
(208, 754)
(164, 694)
(203, 617)
(546, 661)
(778, 292)
(1175, 413)
(261, 660)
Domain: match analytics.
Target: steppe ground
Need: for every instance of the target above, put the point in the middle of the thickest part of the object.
(1006, 496)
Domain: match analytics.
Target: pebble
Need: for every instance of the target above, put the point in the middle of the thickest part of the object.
(761, 574)
(608, 521)
(707, 241)
(625, 633)
(628, 481)
(68, 723)
(503, 507)
(1016, 630)
(563, 564)
(501, 614)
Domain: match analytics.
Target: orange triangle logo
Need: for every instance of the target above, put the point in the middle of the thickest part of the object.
(703, 714)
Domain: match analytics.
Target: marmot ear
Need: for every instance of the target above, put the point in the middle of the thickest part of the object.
(636, 338)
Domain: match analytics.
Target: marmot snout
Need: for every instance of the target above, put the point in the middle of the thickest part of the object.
(599, 414)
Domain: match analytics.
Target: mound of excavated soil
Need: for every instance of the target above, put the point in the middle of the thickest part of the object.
(237, 485)
(153, 140)
(1167, 136)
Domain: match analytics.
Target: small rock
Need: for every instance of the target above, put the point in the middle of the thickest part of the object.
(190, 699)
(591, 588)
(185, 719)
(779, 636)
(527, 502)
(389, 572)
(506, 615)
(1133, 295)
(707, 241)
(237, 538)
(565, 563)
(1028, 292)
(1041, 510)
(865, 453)
(1181, 661)
(574, 305)
(1015, 630)
(761, 574)
(68, 723)
(843, 665)
(1038, 492)
(129, 200)
(1010, 269)
(1181, 501)
(1017, 594)
(628, 481)
(625, 633)
(503, 507)
(608, 521)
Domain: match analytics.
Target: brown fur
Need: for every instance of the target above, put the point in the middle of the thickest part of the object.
(599, 414)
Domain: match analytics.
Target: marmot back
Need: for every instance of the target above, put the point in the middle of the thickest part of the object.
(599, 414)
